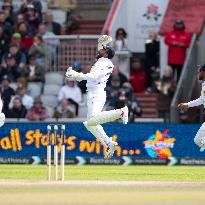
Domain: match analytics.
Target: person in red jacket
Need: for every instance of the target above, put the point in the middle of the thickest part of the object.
(137, 76)
(177, 40)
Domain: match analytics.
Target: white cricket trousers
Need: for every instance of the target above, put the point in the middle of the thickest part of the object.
(95, 102)
(200, 136)
(95, 117)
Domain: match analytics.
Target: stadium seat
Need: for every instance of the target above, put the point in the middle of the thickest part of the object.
(50, 111)
(34, 89)
(51, 89)
(49, 100)
(54, 78)
(82, 111)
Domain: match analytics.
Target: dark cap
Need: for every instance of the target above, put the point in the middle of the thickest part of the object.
(201, 68)
(179, 24)
(76, 66)
(109, 50)
(6, 77)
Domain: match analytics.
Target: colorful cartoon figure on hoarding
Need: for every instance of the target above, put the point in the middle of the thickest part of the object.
(159, 145)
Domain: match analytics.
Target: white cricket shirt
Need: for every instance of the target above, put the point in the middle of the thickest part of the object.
(99, 74)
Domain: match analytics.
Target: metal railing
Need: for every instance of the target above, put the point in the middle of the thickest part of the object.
(186, 82)
(94, 2)
(63, 51)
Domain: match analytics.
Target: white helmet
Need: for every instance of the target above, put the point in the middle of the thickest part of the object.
(104, 40)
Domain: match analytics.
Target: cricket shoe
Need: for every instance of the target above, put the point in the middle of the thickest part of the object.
(110, 149)
(203, 142)
(124, 115)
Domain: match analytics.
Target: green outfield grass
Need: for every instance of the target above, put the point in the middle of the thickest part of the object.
(143, 185)
(162, 173)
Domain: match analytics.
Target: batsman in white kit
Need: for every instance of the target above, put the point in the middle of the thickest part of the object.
(200, 136)
(96, 95)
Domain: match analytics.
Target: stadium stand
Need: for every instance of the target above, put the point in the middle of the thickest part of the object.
(35, 89)
(51, 89)
(80, 47)
(54, 78)
(49, 100)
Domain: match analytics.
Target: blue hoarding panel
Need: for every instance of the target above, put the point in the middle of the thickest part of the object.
(136, 140)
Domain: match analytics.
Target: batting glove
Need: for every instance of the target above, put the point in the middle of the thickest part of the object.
(69, 73)
(73, 75)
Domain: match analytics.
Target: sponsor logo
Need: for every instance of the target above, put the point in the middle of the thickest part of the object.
(152, 13)
(159, 145)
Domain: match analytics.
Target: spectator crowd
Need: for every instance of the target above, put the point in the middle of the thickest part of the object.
(146, 75)
(23, 48)
(22, 57)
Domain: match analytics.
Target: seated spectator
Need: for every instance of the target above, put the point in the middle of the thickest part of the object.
(71, 92)
(21, 92)
(7, 7)
(19, 55)
(165, 88)
(151, 59)
(121, 96)
(72, 23)
(116, 73)
(4, 42)
(27, 39)
(51, 25)
(32, 18)
(16, 38)
(137, 76)
(18, 110)
(37, 6)
(112, 91)
(39, 50)
(33, 72)
(10, 68)
(18, 21)
(7, 92)
(7, 26)
(64, 110)
(42, 30)
(37, 112)
(82, 84)
(120, 42)
(126, 97)
(51, 44)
